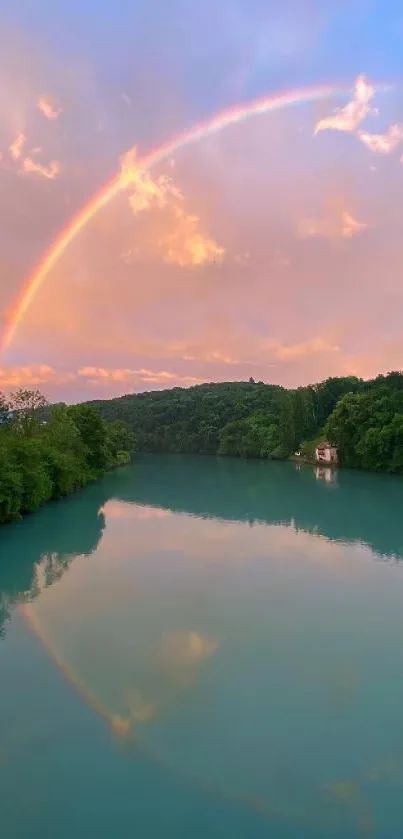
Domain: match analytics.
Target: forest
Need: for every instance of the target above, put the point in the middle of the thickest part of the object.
(48, 452)
(364, 419)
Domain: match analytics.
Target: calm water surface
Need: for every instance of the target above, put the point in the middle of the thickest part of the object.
(197, 647)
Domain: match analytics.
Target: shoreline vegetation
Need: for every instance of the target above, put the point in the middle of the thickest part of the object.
(50, 451)
(363, 419)
(46, 458)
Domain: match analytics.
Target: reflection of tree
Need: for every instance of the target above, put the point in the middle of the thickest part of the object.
(361, 508)
(51, 537)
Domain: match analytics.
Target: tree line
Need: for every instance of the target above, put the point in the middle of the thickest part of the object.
(364, 419)
(48, 452)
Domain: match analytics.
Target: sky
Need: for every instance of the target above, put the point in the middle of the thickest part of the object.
(270, 247)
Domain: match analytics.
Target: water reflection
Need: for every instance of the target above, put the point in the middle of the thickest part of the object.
(53, 537)
(326, 474)
(364, 509)
(253, 659)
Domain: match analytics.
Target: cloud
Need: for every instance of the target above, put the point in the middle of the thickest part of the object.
(106, 376)
(17, 146)
(50, 172)
(340, 226)
(354, 113)
(43, 376)
(384, 143)
(182, 241)
(32, 375)
(317, 346)
(29, 165)
(186, 245)
(46, 107)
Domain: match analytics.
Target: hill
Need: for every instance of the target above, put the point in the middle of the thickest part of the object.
(252, 419)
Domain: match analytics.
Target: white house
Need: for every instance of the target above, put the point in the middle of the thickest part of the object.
(326, 453)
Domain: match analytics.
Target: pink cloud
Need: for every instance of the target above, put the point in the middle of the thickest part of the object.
(317, 346)
(46, 107)
(354, 113)
(384, 143)
(181, 241)
(17, 146)
(340, 226)
(104, 376)
(49, 172)
(34, 375)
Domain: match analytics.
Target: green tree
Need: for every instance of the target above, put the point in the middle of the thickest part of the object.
(25, 404)
(93, 432)
(121, 442)
(11, 483)
(35, 479)
(4, 409)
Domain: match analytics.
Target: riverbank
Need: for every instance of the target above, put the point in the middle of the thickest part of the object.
(43, 461)
(363, 419)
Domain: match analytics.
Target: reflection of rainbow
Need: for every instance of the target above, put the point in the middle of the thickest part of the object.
(121, 728)
(28, 612)
(113, 187)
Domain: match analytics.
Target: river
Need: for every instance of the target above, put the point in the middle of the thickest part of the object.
(201, 647)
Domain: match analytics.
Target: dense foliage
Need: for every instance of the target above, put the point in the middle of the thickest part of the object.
(368, 426)
(251, 419)
(47, 459)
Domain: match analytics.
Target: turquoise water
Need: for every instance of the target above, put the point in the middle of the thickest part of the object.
(204, 647)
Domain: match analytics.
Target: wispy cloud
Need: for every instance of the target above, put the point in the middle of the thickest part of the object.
(106, 376)
(17, 146)
(316, 346)
(337, 226)
(182, 241)
(354, 113)
(32, 166)
(384, 143)
(33, 375)
(46, 107)
(27, 165)
(42, 376)
(187, 245)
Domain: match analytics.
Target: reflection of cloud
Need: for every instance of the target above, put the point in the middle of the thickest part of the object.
(17, 146)
(47, 108)
(353, 114)
(178, 657)
(343, 226)
(182, 652)
(140, 709)
(119, 510)
(384, 143)
(187, 647)
(50, 172)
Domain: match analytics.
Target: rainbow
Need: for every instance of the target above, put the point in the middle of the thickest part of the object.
(118, 183)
